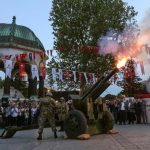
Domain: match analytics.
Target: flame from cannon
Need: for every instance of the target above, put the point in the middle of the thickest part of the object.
(122, 62)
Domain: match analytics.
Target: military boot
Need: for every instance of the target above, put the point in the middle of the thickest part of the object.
(39, 137)
(55, 134)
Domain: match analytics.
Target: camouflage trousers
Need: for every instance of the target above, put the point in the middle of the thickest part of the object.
(42, 121)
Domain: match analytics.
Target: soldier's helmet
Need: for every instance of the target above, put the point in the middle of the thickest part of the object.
(62, 99)
(70, 101)
(49, 94)
(99, 101)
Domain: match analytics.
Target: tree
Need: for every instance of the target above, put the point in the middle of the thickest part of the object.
(109, 97)
(77, 27)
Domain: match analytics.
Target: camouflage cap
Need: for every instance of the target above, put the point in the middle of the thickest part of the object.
(69, 101)
(62, 98)
(49, 94)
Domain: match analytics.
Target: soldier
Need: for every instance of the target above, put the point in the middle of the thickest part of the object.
(90, 110)
(99, 103)
(62, 111)
(70, 105)
(47, 108)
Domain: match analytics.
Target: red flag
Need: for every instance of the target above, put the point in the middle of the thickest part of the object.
(60, 48)
(42, 70)
(17, 57)
(80, 76)
(41, 55)
(88, 49)
(96, 50)
(68, 76)
(21, 69)
(23, 56)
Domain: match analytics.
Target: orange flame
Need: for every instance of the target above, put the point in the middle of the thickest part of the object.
(122, 62)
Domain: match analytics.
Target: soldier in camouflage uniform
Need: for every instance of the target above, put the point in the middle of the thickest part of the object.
(47, 112)
(101, 107)
(62, 111)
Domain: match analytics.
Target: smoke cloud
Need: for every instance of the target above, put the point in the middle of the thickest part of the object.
(133, 42)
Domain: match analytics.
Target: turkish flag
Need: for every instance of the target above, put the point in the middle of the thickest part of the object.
(21, 69)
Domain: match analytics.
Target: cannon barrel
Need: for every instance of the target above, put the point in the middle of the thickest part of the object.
(100, 86)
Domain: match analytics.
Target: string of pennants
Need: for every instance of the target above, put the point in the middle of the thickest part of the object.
(58, 74)
(87, 49)
(32, 55)
(62, 75)
(35, 71)
(20, 57)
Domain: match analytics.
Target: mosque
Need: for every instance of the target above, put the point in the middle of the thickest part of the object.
(22, 59)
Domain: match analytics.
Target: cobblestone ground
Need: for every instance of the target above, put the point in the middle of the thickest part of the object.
(130, 137)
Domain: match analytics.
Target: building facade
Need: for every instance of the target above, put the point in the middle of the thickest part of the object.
(22, 58)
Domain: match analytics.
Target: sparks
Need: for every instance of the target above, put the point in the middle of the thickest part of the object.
(122, 62)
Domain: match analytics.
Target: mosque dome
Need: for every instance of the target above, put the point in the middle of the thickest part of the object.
(13, 35)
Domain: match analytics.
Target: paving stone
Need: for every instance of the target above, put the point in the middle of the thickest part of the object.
(130, 137)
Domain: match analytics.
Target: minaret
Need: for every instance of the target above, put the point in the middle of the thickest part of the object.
(12, 30)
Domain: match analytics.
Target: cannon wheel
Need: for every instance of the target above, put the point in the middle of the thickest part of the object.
(75, 124)
(106, 123)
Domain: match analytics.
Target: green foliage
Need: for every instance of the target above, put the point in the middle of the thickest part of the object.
(79, 23)
(109, 97)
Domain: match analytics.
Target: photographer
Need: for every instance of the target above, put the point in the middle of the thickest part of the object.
(14, 114)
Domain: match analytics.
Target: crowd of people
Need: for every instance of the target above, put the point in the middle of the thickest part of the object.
(22, 113)
(128, 111)
(48, 111)
(19, 113)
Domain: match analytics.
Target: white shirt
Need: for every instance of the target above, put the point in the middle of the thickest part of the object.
(122, 106)
(7, 111)
(14, 112)
(33, 111)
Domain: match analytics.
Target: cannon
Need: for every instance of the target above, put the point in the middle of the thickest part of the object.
(89, 116)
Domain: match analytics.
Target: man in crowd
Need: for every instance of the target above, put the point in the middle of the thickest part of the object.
(47, 109)
(144, 115)
(138, 110)
(123, 106)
